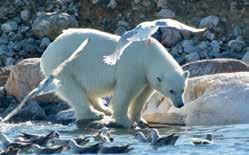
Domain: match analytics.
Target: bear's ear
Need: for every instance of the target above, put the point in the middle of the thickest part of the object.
(186, 74)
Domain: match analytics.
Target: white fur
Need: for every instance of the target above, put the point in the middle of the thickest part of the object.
(131, 81)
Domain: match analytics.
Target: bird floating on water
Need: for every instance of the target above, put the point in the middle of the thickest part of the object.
(143, 32)
(78, 149)
(157, 140)
(208, 140)
(12, 146)
(39, 139)
(141, 137)
(46, 150)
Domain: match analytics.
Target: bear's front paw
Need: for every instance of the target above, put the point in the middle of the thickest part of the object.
(142, 123)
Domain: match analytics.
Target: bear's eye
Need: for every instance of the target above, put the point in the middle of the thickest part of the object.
(182, 91)
(171, 91)
(159, 79)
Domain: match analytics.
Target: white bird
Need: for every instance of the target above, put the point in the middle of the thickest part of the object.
(141, 137)
(143, 32)
(208, 140)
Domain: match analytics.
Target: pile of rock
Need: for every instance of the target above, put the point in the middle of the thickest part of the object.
(28, 27)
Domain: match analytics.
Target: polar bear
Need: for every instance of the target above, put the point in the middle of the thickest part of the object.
(142, 69)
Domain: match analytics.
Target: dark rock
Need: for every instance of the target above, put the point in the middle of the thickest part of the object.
(52, 108)
(63, 117)
(4, 74)
(209, 22)
(170, 36)
(214, 66)
(44, 43)
(236, 45)
(52, 24)
(9, 26)
(32, 111)
(25, 15)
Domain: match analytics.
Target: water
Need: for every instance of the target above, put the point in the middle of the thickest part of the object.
(228, 140)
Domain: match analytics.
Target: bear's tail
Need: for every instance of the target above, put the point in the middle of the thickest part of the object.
(48, 85)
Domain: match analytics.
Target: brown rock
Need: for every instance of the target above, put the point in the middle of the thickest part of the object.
(214, 66)
(24, 77)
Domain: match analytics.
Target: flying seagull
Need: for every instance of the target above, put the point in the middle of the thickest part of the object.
(143, 32)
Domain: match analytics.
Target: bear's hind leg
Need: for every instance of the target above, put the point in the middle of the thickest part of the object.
(97, 103)
(135, 110)
(75, 95)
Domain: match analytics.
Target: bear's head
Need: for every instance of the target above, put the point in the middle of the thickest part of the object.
(166, 76)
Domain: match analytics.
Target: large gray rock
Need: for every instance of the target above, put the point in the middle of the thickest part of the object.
(52, 24)
(217, 99)
(214, 66)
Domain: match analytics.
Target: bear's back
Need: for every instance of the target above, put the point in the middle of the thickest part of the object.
(64, 45)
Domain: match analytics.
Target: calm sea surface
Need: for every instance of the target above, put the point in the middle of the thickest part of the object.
(228, 140)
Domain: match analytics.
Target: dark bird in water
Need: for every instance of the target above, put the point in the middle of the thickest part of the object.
(39, 139)
(157, 140)
(10, 150)
(10, 146)
(208, 140)
(46, 150)
(64, 142)
(78, 149)
(115, 149)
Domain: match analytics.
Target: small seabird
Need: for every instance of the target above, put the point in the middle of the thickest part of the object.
(208, 140)
(141, 137)
(64, 142)
(41, 140)
(52, 134)
(9, 145)
(157, 140)
(46, 150)
(143, 32)
(10, 150)
(115, 149)
(75, 148)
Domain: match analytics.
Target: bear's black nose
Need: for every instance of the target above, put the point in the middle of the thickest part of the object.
(180, 105)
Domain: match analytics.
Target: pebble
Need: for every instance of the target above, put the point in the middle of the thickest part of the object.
(215, 46)
(25, 15)
(166, 13)
(112, 4)
(9, 26)
(236, 45)
(44, 43)
(209, 21)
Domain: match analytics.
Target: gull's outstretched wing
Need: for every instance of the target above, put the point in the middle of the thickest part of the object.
(114, 57)
(177, 25)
